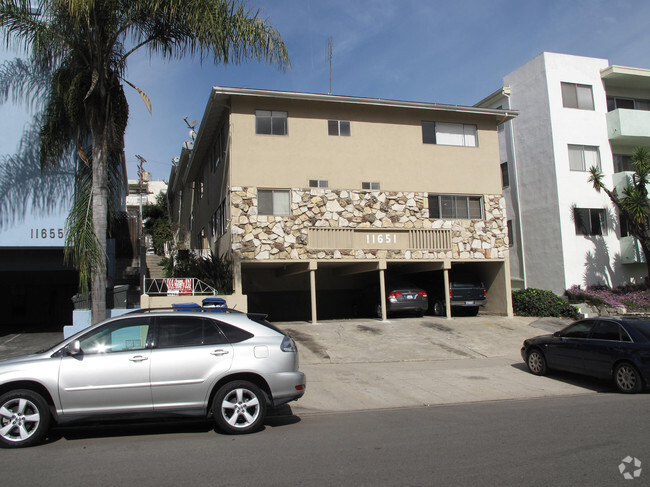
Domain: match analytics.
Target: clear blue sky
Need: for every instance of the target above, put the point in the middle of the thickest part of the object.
(443, 51)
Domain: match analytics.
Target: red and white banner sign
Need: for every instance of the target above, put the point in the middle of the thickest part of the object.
(179, 286)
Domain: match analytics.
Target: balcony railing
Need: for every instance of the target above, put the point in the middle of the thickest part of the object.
(629, 127)
(631, 252)
(189, 286)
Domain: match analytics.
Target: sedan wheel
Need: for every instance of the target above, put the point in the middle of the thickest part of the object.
(438, 308)
(536, 362)
(627, 378)
(24, 419)
(239, 407)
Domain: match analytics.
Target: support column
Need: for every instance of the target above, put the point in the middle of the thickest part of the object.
(445, 273)
(382, 289)
(312, 288)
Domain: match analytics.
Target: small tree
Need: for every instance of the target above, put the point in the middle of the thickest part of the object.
(633, 204)
(156, 223)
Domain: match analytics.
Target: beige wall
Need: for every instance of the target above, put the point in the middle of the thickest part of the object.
(385, 146)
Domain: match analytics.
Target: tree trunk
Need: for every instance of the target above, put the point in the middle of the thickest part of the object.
(100, 223)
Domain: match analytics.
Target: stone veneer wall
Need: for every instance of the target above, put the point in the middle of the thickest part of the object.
(264, 237)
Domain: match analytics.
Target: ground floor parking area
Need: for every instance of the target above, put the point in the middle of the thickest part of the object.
(326, 290)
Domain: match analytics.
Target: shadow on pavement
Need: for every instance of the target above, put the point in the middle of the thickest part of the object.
(279, 417)
(584, 381)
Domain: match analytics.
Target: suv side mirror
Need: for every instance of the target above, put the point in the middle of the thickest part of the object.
(73, 348)
(557, 334)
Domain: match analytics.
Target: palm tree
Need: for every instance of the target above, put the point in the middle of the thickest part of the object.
(84, 45)
(633, 204)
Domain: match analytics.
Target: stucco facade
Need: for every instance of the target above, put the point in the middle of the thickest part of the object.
(319, 215)
(545, 188)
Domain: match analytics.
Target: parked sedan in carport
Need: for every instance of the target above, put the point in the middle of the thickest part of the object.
(617, 349)
(405, 298)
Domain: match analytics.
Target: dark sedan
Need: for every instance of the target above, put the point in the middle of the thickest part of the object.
(617, 349)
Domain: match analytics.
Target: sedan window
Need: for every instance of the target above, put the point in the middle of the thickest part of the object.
(606, 330)
(580, 329)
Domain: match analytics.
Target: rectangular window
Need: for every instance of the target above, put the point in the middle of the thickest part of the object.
(623, 162)
(511, 235)
(577, 96)
(443, 133)
(318, 183)
(338, 127)
(455, 207)
(369, 185)
(615, 103)
(273, 202)
(219, 222)
(583, 157)
(270, 122)
(505, 177)
(590, 221)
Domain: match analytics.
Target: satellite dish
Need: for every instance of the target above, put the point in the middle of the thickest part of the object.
(191, 124)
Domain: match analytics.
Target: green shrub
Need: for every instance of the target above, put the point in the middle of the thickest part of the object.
(537, 302)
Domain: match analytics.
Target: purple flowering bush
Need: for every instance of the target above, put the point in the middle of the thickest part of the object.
(634, 298)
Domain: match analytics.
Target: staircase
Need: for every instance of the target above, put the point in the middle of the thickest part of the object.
(155, 270)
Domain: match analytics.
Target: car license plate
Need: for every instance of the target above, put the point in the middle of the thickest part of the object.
(469, 302)
(409, 296)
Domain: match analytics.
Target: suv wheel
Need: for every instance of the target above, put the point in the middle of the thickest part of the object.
(438, 308)
(24, 419)
(239, 407)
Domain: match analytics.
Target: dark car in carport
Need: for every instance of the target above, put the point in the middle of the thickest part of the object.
(616, 349)
(466, 291)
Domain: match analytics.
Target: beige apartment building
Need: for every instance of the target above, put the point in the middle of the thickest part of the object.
(321, 201)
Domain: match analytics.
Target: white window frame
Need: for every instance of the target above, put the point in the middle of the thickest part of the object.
(339, 128)
(455, 207)
(277, 120)
(371, 185)
(318, 183)
(583, 157)
(448, 133)
(279, 201)
(578, 96)
(584, 223)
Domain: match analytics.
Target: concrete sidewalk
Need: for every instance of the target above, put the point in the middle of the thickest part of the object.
(410, 362)
(354, 365)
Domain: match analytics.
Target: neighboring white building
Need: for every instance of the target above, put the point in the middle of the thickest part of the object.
(574, 112)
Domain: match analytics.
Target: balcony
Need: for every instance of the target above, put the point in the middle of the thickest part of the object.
(623, 179)
(631, 252)
(628, 127)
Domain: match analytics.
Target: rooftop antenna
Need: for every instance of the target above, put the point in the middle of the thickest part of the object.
(191, 126)
(329, 56)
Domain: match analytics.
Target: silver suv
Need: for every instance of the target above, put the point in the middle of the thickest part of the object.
(227, 365)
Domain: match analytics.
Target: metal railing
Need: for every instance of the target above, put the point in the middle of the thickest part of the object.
(174, 286)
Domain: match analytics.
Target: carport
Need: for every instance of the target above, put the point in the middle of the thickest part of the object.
(311, 289)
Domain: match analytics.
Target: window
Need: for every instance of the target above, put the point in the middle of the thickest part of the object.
(338, 127)
(511, 235)
(270, 122)
(118, 336)
(318, 183)
(583, 157)
(607, 330)
(577, 96)
(451, 206)
(273, 202)
(443, 133)
(580, 329)
(614, 103)
(369, 185)
(623, 162)
(185, 331)
(590, 221)
(505, 177)
(219, 223)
